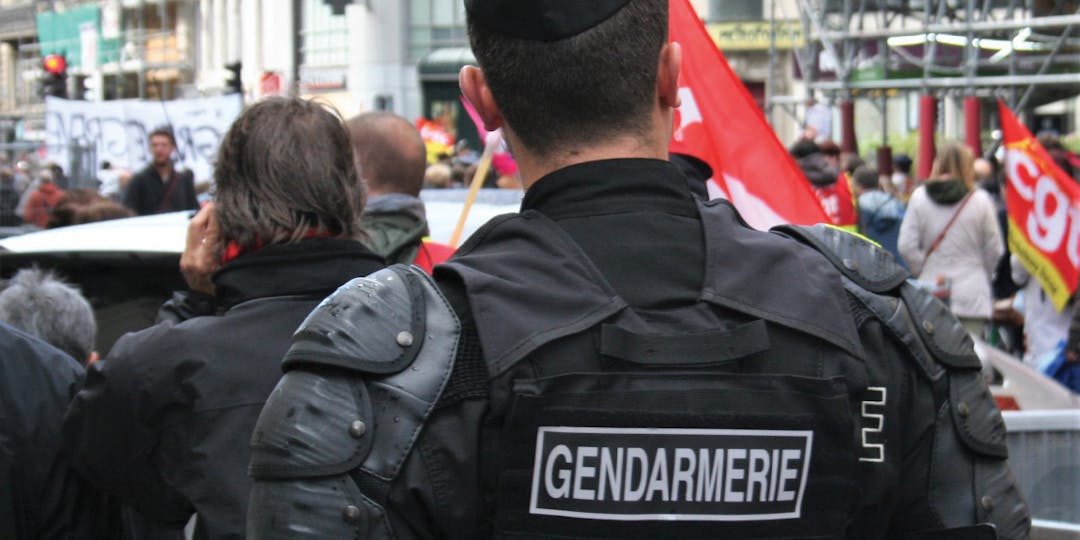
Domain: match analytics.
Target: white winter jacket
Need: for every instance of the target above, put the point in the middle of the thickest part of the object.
(967, 255)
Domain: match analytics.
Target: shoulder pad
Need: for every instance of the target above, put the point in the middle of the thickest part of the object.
(375, 324)
(976, 416)
(320, 421)
(939, 329)
(897, 318)
(311, 426)
(860, 260)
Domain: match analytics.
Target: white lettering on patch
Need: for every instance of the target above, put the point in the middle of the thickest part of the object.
(671, 474)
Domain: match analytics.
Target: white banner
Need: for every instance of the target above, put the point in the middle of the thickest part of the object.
(119, 129)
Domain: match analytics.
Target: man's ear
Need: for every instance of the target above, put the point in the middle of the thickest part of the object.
(474, 87)
(667, 75)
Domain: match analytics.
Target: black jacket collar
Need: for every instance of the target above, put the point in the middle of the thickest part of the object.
(313, 267)
(516, 263)
(610, 187)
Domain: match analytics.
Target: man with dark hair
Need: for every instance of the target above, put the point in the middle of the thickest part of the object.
(391, 160)
(160, 187)
(901, 182)
(37, 302)
(164, 420)
(831, 185)
(620, 359)
(880, 214)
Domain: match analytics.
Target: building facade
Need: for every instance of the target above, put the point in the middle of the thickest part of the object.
(404, 55)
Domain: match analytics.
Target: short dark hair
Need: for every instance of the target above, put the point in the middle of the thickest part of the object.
(866, 177)
(903, 163)
(590, 87)
(163, 131)
(389, 152)
(285, 169)
(829, 148)
(850, 162)
(803, 148)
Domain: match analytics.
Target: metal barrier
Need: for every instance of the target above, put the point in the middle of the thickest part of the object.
(80, 169)
(1044, 455)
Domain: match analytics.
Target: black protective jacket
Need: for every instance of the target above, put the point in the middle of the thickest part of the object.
(618, 326)
(41, 497)
(163, 422)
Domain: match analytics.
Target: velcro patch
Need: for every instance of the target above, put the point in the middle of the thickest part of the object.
(670, 474)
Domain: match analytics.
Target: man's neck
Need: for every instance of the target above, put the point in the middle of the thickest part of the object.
(534, 167)
(165, 170)
(652, 143)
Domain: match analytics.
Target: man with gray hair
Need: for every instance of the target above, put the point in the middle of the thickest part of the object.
(38, 302)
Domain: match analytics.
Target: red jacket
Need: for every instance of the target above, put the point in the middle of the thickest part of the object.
(41, 203)
(432, 253)
(839, 202)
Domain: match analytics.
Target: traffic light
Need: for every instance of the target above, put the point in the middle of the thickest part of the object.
(232, 80)
(337, 7)
(54, 82)
(87, 87)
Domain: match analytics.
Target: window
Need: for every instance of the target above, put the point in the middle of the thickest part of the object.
(735, 10)
(434, 24)
(325, 36)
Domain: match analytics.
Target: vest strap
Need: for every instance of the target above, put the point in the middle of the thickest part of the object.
(697, 349)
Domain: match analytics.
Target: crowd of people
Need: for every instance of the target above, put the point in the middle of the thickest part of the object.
(42, 198)
(950, 231)
(259, 258)
(621, 359)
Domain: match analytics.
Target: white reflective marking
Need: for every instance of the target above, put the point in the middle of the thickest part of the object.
(874, 423)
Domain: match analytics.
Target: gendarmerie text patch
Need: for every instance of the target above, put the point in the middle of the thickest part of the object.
(670, 474)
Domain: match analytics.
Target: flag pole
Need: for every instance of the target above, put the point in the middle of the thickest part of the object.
(482, 170)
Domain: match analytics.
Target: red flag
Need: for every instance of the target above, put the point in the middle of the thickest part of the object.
(1044, 211)
(720, 123)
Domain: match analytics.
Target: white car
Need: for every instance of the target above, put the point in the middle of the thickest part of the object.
(128, 267)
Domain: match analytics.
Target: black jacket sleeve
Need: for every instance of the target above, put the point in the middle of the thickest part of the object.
(41, 496)
(110, 425)
(185, 305)
(135, 197)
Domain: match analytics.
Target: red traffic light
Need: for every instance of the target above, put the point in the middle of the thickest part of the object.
(54, 63)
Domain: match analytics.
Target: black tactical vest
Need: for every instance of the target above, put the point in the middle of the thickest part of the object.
(735, 417)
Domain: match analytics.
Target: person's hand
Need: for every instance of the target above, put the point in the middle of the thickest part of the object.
(202, 254)
(1071, 355)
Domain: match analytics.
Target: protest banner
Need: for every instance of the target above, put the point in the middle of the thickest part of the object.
(118, 129)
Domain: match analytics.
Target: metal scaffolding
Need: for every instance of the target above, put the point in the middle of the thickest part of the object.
(1022, 51)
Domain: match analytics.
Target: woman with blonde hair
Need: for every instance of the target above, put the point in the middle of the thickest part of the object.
(950, 236)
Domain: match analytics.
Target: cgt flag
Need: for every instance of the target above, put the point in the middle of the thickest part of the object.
(720, 123)
(1044, 212)
(437, 139)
